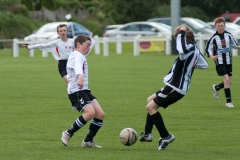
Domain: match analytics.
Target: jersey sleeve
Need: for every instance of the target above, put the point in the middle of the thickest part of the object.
(233, 43)
(201, 63)
(46, 47)
(79, 64)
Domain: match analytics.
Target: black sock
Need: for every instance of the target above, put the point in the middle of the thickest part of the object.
(228, 95)
(95, 125)
(158, 121)
(219, 86)
(79, 123)
(149, 124)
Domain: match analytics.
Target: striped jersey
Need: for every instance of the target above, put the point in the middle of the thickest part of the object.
(77, 64)
(189, 58)
(59, 49)
(220, 45)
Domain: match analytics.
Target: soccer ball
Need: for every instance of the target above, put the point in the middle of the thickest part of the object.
(128, 136)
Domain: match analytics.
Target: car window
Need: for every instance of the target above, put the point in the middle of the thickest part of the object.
(48, 28)
(145, 27)
(134, 27)
(78, 27)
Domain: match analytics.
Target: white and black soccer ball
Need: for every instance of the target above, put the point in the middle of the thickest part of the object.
(128, 136)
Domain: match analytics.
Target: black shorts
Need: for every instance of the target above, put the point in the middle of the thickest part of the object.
(62, 67)
(167, 96)
(81, 98)
(223, 69)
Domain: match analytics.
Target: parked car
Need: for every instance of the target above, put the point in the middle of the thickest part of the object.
(141, 28)
(110, 27)
(230, 27)
(237, 21)
(49, 31)
(197, 25)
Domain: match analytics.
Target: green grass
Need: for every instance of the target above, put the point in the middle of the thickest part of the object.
(35, 109)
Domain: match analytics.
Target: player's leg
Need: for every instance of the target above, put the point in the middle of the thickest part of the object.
(82, 102)
(146, 136)
(227, 82)
(164, 98)
(95, 125)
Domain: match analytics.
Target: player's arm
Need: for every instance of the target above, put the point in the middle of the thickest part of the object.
(42, 46)
(80, 81)
(25, 46)
(78, 68)
(209, 50)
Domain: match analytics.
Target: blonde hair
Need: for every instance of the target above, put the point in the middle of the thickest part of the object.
(189, 33)
(219, 20)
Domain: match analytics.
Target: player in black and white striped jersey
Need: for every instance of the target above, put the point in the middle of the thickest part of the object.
(219, 49)
(177, 84)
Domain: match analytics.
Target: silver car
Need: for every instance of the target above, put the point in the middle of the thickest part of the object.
(197, 25)
(49, 31)
(233, 28)
(141, 28)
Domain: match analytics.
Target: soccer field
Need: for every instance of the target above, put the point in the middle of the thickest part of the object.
(35, 109)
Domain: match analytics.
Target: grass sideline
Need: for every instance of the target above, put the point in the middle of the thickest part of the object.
(35, 109)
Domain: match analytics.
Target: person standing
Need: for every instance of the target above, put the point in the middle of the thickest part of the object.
(80, 94)
(177, 83)
(218, 48)
(60, 49)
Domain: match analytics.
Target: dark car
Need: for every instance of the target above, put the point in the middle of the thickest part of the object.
(197, 25)
(49, 31)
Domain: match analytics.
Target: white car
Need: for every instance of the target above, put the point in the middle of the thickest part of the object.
(141, 28)
(237, 21)
(233, 28)
(49, 31)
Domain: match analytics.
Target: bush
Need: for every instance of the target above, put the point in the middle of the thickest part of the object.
(19, 9)
(15, 26)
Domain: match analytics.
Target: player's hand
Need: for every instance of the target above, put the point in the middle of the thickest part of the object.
(25, 45)
(214, 57)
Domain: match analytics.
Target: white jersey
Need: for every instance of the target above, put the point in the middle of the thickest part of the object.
(59, 49)
(77, 64)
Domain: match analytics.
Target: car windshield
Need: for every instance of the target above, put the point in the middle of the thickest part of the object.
(233, 26)
(165, 26)
(78, 27)
(196, 23)
(48, 28)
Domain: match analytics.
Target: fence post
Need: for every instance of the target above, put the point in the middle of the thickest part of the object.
(97, 44)
(105, 46)
(168, 46)
(15, 47)
(119, 45)
(31, 52)
(201, 42)
(235, 52)
(44, 53)
(136, 45)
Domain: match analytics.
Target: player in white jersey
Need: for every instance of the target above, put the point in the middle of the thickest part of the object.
(219, 49)
(60, 49)
(177, 84)
(80, 94)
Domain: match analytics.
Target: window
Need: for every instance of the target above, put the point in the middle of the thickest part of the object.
(134, 27)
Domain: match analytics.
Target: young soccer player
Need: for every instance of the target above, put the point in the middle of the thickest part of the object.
(177, 84)
(80, 94)
(60, 49)
(219, 49)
